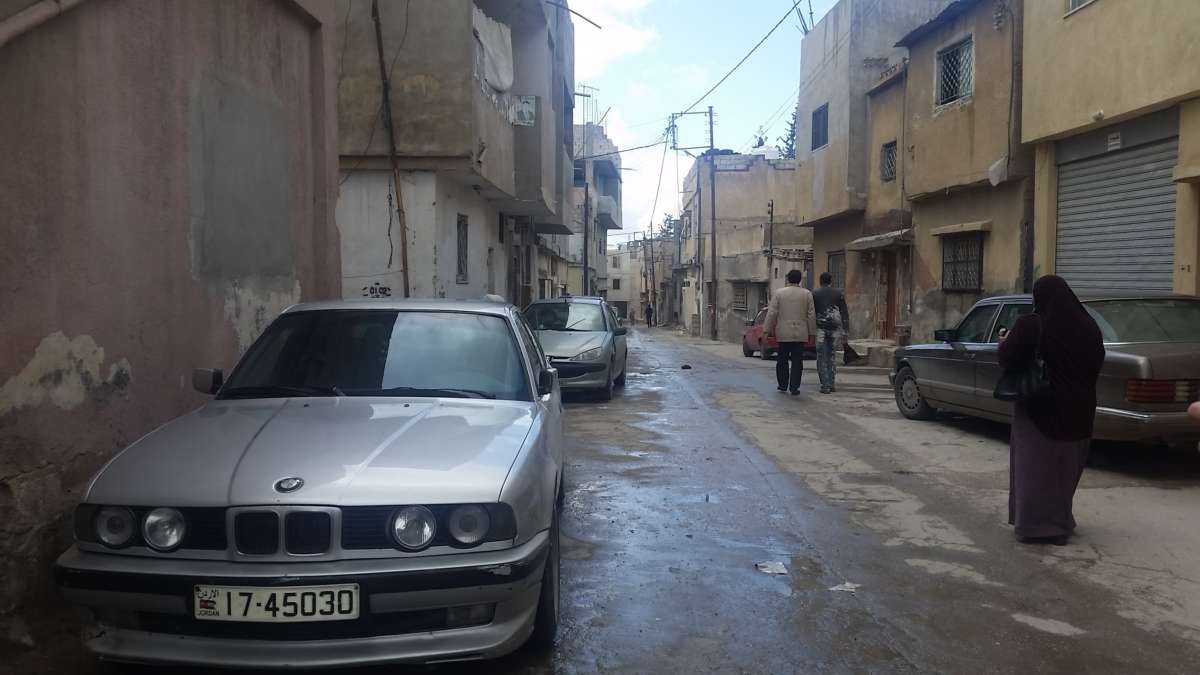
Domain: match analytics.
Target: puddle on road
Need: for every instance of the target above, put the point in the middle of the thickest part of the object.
(576, 549)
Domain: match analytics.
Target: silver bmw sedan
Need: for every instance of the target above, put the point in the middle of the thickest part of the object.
(375, 482)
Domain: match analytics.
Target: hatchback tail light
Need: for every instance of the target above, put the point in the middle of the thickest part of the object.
(1162, 391)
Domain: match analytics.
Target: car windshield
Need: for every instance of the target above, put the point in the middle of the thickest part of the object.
(378, 352)
(566, 316)
(1167, 320)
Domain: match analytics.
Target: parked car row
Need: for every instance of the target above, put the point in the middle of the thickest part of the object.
(1151, 371)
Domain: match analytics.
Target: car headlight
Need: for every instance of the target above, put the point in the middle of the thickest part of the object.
(114, 526)
(163, 529)
(413, 527)
(469, 524)
(590, 355)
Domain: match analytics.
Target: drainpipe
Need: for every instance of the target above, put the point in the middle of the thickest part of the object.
(32, 17)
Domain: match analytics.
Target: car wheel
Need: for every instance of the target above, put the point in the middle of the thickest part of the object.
(908, 397)
(620, 381)
(746, 350)
(545, 625)
(606, 393)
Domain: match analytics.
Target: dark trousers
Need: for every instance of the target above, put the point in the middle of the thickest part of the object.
(789, 365)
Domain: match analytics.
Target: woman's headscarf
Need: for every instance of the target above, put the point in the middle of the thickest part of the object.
(1069, 334)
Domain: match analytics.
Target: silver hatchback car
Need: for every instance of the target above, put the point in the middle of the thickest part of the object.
(585, 341)
(376, 482)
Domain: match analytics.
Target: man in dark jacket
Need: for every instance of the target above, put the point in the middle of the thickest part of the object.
(833, 321)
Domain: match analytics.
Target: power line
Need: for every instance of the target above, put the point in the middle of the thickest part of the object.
(747, 56)
(773, 117)
(617, 152)
(658, 188)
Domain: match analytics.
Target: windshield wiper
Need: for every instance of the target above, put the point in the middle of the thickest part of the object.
(418, 391)
(279, 390)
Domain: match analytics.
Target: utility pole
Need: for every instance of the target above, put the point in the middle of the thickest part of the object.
(770, 244)
(387, 123)
(653, 297)
(712, 208)
(587, 209)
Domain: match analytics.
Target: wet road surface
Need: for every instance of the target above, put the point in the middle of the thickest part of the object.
(677, 487)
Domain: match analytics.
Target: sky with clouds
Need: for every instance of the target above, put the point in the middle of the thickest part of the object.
(654, 57)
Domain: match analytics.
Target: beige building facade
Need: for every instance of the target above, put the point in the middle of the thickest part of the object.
(845, 113)
(754, 249)
(481, 100)
(597, 195)
(1112, 106)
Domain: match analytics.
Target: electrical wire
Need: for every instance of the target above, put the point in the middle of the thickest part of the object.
(658, 187)
(772, 119)
(750, 53)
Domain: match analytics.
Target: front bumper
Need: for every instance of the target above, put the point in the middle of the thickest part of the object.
(577, 375)
(1116, 424)
(144, 609)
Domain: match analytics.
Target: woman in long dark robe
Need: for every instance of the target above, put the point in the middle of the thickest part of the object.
(1050, 439)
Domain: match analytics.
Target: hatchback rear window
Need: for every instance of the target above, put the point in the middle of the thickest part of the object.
(1166, 320)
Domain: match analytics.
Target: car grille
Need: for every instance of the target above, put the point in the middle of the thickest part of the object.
(307, 532)
(256, 532)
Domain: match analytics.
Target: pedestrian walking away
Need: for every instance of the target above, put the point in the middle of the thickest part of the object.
(649, 315)
(1051, 436)
(833, 323)
(791, 319)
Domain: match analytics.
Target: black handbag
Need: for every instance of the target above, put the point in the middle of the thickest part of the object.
(1028, 385)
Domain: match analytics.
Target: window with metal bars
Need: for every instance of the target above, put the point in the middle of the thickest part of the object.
(616, 284)
(962, 263)
(462, 249)
(616, 262)
(820, 127)
(956, 72)
(837, 269)
(740, 291)
(887, 162)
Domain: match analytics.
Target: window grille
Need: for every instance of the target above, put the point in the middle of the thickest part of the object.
(956, 70)
(462, 249)
(962, 263)
(739, 296)
(837, 269)
(887, 162)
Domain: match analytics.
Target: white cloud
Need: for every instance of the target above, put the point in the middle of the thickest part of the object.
(622, 34)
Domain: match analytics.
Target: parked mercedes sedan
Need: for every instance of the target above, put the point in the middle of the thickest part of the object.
(376, 482)
(584, 340)
(1151, 372)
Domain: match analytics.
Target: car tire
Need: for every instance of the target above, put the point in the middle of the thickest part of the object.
(746, 350)
(908, 397)
(620, 381)
(545, 624)
(606, 392)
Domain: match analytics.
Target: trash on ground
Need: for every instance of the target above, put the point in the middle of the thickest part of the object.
(686, 366)
(846, 586)
(771, 567)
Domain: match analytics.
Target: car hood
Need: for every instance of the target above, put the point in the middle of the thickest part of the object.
(348, 451)
(565, 344)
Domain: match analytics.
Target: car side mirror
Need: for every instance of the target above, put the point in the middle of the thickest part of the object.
(546, 382)
(207, 380)
(620, 331)
(945, 335)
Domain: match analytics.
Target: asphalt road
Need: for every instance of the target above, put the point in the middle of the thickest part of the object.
(688, 478)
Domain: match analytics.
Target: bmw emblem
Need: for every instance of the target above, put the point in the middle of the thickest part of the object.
(289, 484)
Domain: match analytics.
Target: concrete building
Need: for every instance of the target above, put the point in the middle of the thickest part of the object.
(597, 195)
(747, 268)
(841, 59)
(965, 171)
(1112, 105)
(625, 278)
(656, 287)
(481, 95)
(168, 187)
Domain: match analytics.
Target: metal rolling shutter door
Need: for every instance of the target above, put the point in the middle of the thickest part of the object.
(1116, 219)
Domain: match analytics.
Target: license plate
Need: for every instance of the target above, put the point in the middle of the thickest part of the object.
(293, 604)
